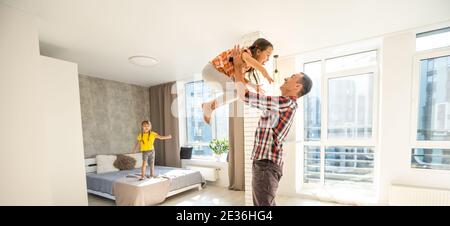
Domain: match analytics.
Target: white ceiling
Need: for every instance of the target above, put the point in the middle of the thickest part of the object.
(100, 35)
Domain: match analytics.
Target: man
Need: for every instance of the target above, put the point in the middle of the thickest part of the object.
(273, 126)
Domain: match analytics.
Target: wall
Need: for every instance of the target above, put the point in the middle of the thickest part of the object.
(251, 118)
(23, 156)
(395, 125)
(222, 166)
(64, 132)
(111, 114)
(41, 150)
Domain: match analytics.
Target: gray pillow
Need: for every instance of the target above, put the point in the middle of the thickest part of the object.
(124, 162)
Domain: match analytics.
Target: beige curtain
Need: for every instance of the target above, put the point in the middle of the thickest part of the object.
(165, 123)
(236, 152)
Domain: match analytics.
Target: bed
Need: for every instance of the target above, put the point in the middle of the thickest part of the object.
(103, 184)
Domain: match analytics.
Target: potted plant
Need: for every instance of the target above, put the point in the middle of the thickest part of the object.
(219, 147)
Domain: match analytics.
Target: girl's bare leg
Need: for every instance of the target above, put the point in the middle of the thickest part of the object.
(152, 170)
(143, 170)
(208, 109)
(226, 96)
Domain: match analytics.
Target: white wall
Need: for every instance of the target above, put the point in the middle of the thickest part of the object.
(63, 131)
(395, 107)
(40, 117)
(223, 180)
(23, 156)
(395, 125)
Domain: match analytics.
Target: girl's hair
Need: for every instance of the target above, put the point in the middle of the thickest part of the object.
(260, 44)
(142, 131)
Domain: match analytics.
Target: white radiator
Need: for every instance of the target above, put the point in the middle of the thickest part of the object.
(401, 195)
(209, 173)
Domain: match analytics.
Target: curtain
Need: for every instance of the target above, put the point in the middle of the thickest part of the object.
(164, 122)
(236, 143)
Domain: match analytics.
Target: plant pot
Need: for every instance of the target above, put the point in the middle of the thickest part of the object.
(217, 157)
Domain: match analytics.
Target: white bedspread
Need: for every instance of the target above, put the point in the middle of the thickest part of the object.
(130, 191)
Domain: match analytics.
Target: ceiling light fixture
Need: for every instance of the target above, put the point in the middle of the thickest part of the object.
(144, 61)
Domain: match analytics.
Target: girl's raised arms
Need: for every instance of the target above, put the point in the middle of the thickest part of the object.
(249, 60)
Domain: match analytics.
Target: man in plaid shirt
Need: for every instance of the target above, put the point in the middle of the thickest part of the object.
(273, 126)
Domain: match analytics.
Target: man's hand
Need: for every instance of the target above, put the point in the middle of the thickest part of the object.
(239, 80)
(238, 63)
(260, 90)
(237, 57)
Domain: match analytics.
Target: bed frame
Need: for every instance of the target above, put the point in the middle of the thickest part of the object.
(90, 165)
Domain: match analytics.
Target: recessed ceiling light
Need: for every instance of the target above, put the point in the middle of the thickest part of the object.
(145, 61)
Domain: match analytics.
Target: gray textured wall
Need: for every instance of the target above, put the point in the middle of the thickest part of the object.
(111, 114)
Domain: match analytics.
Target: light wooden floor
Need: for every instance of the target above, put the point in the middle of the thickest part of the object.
(213, 196)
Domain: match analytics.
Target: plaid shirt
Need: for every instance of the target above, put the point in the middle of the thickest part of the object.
(273, 126)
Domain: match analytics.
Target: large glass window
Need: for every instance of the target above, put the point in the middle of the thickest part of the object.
(434, 100)
(198, 133)
(350, 107)
(339, 112)
(431, 137)
(312, 102)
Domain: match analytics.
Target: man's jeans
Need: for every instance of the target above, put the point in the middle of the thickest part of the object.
(266, 176)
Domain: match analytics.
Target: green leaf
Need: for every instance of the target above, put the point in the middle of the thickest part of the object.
(219, 146)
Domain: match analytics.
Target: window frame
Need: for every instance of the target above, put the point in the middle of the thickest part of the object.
(435, 30)
(324, 142)
(415, 94)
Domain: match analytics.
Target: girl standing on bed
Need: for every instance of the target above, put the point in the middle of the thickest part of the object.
(145, 140)
(220, 71)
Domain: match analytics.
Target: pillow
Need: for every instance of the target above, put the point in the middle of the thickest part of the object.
(137, 157)
(124, 162)
(105, 163)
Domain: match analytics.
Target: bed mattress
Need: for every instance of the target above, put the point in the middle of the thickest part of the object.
(180, 178)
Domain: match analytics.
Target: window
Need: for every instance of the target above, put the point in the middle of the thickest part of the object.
(433, 39)
(312, 102)
(434, 99)
(198, 133)
(312, 164)
(424, 158)
(351, 61)
(431, 112)
(339, 123)
(350, 101)
(349, 165)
